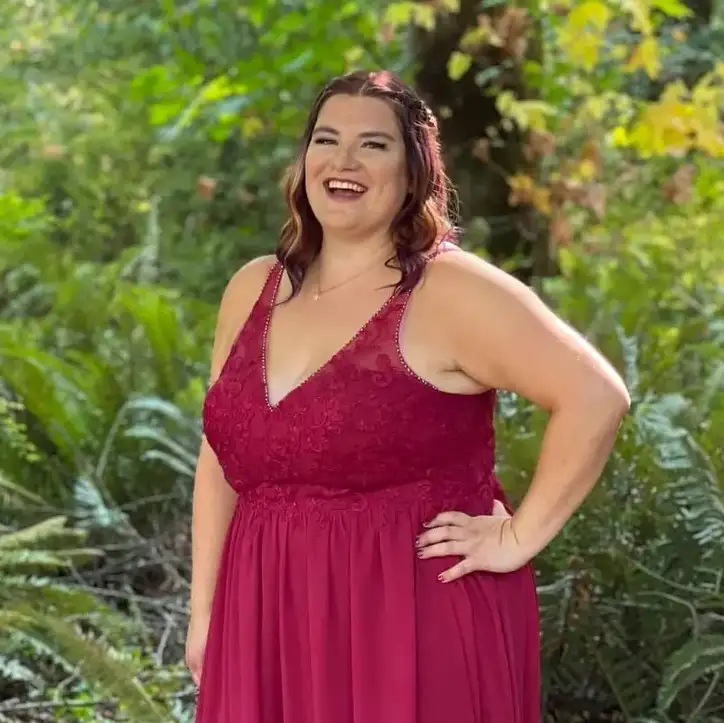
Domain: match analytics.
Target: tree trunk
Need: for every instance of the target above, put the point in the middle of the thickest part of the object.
(467, 111)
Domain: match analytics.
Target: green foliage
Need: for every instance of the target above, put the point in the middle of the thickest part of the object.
(43, 618)
(143, 145)
(631, 596)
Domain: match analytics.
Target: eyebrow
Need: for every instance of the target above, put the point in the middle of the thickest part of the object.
(366, 134)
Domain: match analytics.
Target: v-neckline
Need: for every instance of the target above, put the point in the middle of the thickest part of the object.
(269, 311)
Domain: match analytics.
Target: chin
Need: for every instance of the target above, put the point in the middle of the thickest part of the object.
(336, 225)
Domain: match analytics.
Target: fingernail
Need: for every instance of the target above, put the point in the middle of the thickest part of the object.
(426, 524)
(420, 553)
(441, 578)
(418, 541)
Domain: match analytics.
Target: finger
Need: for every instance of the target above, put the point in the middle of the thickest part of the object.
(464, 567)
(448, 518)
(499, 509)
(442, 549)
(440, 534)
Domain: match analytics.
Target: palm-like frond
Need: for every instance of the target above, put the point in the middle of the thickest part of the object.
(42, 612)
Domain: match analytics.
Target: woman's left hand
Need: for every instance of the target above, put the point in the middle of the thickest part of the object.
(485, 542)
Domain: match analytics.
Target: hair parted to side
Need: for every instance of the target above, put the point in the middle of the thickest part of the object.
(425, 216)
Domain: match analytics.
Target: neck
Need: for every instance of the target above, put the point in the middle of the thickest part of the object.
(339, 257)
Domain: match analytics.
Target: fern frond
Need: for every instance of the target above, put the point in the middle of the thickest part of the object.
(53, 529)
(113, 676)
(696, 659)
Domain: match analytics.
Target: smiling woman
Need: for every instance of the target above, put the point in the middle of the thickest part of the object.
(353, 558)
(369, 130)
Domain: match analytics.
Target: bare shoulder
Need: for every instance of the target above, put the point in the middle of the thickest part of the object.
(461, 277)
(501, 334)
(243, 289)
(237, 301)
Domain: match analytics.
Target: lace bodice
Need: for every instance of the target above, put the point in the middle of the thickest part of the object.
(363, 430)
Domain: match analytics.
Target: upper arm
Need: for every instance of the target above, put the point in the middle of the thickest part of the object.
(503, 336)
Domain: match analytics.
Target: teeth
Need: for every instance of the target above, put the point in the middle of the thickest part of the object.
(345, 186)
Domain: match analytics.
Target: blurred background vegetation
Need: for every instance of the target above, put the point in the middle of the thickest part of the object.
(142, 145)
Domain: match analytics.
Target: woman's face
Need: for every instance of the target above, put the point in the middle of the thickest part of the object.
(355, 167)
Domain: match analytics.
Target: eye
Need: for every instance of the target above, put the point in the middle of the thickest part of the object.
(376, 144)
(321, 141)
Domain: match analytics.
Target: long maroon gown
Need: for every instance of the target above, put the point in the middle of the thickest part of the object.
(323, 613)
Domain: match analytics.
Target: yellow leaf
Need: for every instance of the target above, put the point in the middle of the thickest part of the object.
(452, 6)
(399, 13)
(526, 113)
(586, 170)
(646, 56)
(590, 14)
(424, 16)
(541, 199)
(640, 11)
(579, 86)
(251, 126)
(593, 108)
(474, 38)
(619, 137)
(672, 8)
(458, 64)
(581, 47)
(581, 36)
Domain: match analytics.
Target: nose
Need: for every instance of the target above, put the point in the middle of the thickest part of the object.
(345, 159)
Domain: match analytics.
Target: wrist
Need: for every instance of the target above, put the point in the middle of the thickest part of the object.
(526, 538)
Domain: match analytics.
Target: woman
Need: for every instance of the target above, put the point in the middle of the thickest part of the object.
(352, 560)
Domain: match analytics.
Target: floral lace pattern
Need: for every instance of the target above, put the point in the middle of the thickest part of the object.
(363, 432)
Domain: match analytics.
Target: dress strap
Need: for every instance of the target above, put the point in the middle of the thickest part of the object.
(446, 243)
(398, 304)
(269, 291)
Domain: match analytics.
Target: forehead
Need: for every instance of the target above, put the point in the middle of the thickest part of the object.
(358, 114)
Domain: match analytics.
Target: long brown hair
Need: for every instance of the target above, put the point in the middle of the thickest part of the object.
(425, 216)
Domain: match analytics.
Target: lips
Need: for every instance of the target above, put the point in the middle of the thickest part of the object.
(341, 188)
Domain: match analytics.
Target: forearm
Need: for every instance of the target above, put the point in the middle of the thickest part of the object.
(576, 444)
(213, 508)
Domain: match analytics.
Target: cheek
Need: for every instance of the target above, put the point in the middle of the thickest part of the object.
(395, 179)
(313, 163)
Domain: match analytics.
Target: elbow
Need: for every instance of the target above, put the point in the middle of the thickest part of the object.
(610, 402)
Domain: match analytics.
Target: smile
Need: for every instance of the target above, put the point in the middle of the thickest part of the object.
(344, 190)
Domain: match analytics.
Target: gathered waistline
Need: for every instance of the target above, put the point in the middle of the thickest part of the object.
(424, 498)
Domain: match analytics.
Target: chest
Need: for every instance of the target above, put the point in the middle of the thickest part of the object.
(303, 336)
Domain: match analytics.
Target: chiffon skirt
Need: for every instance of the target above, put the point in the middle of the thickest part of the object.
(325, 614)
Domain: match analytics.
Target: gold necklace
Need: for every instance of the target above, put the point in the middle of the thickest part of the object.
(319, 292)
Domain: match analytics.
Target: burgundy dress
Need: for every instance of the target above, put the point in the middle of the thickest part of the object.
(323, 613)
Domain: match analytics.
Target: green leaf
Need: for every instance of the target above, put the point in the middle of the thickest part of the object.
(458, 64)
(400, 13)
(672, 8)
